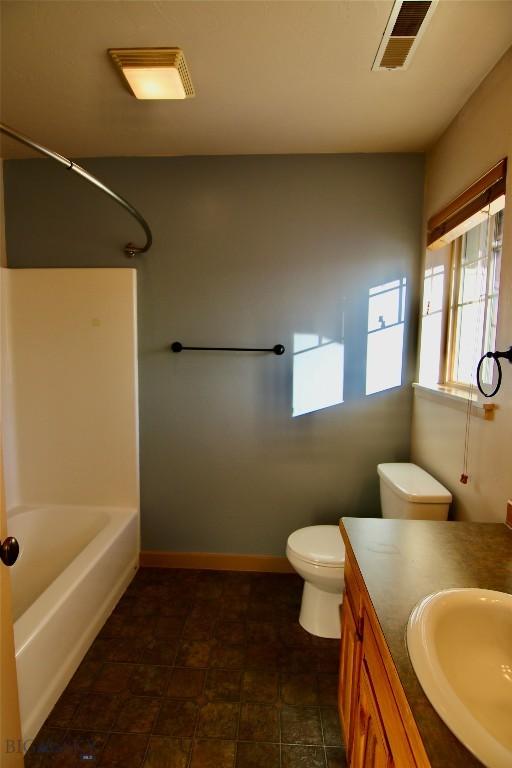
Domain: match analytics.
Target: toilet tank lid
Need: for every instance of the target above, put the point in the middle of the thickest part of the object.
(320, 544)
(414, 484)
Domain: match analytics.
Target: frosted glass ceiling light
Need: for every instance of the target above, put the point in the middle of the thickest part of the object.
(154, 73)
(155, 82)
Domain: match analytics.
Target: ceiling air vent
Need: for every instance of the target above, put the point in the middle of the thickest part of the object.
(404, 29)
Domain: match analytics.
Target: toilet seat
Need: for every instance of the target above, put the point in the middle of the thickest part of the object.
(320, 545)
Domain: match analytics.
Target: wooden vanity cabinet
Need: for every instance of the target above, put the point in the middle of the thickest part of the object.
(350, 654)
(378, 726)
(350, 659)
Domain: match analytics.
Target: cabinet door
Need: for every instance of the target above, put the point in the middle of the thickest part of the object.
(389, 716)
(350, 658)
(370, 748)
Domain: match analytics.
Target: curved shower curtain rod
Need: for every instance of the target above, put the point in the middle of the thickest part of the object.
(130, 249)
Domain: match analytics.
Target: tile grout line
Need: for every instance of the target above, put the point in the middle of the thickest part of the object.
(323, 735)
(178, 646)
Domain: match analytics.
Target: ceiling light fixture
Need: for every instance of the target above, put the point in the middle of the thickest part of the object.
(154, 73)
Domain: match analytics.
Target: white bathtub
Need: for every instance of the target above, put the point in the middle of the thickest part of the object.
(74, 564)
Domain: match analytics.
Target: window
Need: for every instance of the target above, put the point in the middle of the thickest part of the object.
(461, 284)
(431, 324)
(474, 300)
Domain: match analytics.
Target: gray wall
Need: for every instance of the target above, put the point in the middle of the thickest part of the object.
(248, 251)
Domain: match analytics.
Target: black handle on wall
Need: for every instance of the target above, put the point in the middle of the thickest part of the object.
(9, 551)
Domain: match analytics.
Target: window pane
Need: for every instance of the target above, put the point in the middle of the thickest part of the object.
(473, 281)
(475, 243)
(433, 290)
(468, 341)
(430, 349)
(475, 313)
(491, 318)
(431, 325)
(489, 338)
(495, 266)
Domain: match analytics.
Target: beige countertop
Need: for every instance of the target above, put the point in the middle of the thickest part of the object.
(402, 561)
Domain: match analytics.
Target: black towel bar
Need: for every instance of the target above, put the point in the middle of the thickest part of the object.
(277, 349)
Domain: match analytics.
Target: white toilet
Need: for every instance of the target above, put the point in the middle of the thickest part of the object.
(317, 553)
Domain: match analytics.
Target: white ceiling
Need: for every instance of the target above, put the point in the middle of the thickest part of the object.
(270, 77)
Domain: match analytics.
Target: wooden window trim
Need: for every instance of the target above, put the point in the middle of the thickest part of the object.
(484, 191)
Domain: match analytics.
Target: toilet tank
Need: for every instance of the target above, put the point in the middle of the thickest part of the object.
(407, 491)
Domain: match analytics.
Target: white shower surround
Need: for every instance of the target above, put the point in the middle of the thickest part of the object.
(70, 405)
(74, 564)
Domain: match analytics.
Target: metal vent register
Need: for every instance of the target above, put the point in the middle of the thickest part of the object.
(405, 26)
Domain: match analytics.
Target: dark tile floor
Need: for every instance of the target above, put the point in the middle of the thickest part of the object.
(200, 669)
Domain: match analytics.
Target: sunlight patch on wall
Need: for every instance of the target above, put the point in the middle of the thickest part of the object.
(318, 364)
(386, 322)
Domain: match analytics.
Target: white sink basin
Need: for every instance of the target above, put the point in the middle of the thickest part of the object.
(460, 644)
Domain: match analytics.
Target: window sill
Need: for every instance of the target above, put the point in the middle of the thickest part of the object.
(456, 398)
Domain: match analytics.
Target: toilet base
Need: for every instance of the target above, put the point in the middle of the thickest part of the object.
(319, 611)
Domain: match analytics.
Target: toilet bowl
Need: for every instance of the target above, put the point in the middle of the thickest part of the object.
(317, 554)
